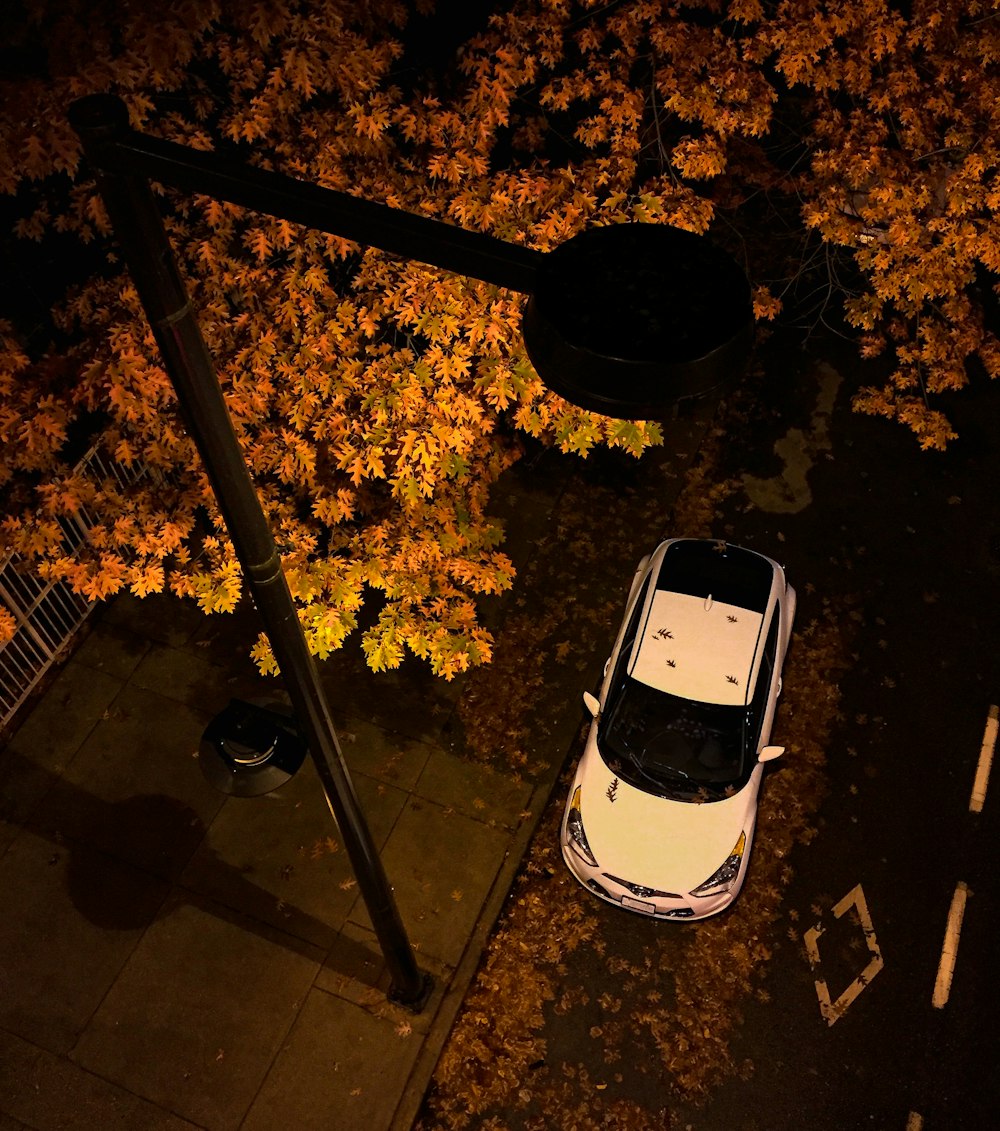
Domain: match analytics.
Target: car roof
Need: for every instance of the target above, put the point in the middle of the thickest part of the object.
(703, 621)
(698, 648)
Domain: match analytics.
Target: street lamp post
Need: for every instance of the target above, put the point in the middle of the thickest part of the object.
(640, 366)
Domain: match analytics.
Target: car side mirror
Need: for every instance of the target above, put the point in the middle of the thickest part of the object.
(769, 753)
(592, 703)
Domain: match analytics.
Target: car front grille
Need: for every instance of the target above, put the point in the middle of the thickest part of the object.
(639, 890)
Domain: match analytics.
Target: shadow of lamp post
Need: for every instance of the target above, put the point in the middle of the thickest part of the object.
(625, 320)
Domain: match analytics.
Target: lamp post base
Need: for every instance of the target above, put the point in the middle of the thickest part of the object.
(418, 1003)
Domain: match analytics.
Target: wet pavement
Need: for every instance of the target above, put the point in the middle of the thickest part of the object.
(173, 958)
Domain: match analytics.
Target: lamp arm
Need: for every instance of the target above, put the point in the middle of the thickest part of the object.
(423, 238)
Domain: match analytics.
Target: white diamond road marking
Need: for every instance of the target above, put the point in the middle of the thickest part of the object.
(832, 1011)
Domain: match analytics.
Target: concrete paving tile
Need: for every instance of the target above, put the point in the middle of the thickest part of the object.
(111, 649)
(341, 1067)
(442, 866)
(135, 789)
(65, 715)
(388, 755)
(22, 785)
(228, 634)
(50, 1093)
(281, 857)
(354, 967)
(197, 1015)
(474, 790)
(73, 916)
(356, 971)
(409, 700)
(196, 681)
(160, 616)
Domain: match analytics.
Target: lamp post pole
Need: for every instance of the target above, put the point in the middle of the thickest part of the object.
(139, 229)
(625, 320)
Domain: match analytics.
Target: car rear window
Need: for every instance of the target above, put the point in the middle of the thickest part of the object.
(715, 569)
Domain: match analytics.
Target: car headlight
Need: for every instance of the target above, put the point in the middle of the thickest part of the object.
(724, 878)
(574, 829)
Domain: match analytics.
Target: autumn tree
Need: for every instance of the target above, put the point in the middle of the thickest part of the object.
(872, 126)
(377, 400)
(904, 107)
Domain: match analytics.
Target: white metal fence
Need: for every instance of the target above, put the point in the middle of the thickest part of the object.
(48, 613)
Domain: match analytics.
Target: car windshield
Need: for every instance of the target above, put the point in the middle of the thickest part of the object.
(672, 746)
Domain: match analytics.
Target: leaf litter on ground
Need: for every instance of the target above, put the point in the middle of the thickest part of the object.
(660, 1005)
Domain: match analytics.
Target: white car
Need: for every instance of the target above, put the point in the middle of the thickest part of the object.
(661, 813)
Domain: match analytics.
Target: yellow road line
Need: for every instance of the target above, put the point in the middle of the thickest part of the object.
(949, 951)
(985, 762)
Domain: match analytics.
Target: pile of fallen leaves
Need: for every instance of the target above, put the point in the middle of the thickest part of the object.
(659, 1003)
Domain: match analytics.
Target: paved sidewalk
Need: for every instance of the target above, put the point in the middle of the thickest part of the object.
(172, 958)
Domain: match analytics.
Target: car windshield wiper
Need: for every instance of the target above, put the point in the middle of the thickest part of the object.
(661, 777)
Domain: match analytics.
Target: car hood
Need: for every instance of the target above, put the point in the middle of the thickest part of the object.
(672, 846)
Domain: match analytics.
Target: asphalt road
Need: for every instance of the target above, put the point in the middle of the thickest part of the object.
(863, 1028)
(872, 1005)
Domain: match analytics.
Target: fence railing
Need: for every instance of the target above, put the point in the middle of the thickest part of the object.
(48, 613)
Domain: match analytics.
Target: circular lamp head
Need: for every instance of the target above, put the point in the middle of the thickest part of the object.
(251, 748)
(630, 319)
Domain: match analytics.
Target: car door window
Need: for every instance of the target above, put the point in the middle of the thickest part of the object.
(635, 622)
(758, 705)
